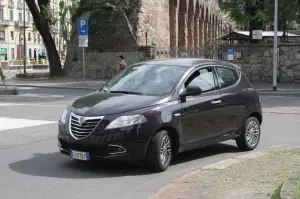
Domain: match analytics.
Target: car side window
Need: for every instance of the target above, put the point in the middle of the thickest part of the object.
(227, 76)
(204, 78)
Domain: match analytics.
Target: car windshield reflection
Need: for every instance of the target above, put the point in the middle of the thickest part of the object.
(146, 79)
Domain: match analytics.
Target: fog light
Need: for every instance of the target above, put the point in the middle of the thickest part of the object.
(116, 149)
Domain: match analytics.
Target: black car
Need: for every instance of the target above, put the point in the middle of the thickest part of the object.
(156, 109)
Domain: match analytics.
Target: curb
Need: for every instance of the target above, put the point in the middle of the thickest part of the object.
(53, 87)
(288, 188)
(276, 93)
(181, 184)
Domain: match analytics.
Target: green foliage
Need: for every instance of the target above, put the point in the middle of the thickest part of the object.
(244, 11)
(101, 26)
(49, 16)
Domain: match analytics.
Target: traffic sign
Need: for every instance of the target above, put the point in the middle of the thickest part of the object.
(83, 41)
(230, 54)
(83, 28)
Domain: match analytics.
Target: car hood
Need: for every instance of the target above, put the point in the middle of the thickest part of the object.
(96, 104)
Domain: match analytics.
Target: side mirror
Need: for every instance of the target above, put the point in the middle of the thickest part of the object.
(190, 91)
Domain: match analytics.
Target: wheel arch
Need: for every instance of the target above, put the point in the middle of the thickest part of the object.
(257, 115)
(174, 135)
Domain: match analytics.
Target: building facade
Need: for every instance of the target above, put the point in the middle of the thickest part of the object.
(12, 29)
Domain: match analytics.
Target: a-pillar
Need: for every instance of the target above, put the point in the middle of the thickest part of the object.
(196, 36)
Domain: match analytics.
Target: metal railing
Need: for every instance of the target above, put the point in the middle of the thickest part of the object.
(4, 22)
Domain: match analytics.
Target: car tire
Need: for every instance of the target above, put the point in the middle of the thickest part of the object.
(156, 161)
(250, 136)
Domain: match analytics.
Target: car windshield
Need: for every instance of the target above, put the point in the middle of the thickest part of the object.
(146, 79)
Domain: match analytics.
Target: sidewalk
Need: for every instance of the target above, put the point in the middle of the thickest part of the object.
(57, 83)
(251, 176)
(72, 83)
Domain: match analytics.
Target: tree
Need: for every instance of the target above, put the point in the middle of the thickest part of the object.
(246, 13)
(41, 13)
(66, 12)
(288, 11)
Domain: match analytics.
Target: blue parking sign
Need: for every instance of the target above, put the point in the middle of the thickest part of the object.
(83, 27)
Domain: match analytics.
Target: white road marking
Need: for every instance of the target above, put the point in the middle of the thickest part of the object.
(42, 96)
(26, 88)
(13, 123)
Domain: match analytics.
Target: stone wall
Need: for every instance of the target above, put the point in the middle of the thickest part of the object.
(170, 24)
(257, 61)
(101, 70)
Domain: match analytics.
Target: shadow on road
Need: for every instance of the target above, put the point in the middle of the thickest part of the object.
(204, 152)
(60, 166)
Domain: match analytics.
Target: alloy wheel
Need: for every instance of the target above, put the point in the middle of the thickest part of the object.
(252, 133)
(165, 150)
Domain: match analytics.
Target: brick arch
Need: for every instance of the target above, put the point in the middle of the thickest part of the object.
(182, 24)
(173, 22)
(216, 27)
(191, 13)
(206, 22)
(212, 28)
(201, 26)
(196, 29)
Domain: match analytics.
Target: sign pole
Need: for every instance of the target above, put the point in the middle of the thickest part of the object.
(83, 40)
(83, 64)
(275, 46)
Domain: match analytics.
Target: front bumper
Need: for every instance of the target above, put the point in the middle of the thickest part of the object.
(128, 144)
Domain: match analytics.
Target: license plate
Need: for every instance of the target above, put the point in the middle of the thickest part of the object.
(80, 155)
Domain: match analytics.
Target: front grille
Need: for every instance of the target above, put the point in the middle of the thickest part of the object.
(81, 127)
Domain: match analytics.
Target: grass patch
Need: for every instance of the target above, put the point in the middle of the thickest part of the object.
(285, 152)
(32, 75)
(297, 191)
(276, 193)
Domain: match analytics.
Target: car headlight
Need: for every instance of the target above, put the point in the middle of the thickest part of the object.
(124, 121)
(64, 116)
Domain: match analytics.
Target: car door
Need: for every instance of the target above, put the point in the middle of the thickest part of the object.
(233, 99)
(201, 114)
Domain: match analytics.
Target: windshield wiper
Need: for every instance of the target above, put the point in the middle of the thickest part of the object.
(127, 92)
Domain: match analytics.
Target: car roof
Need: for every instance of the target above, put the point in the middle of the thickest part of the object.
(188, 62)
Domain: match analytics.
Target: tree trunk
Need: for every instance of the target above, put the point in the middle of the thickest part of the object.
(54, 60)
(44, 30)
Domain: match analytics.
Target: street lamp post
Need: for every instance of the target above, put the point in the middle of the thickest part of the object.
(275, 54)
(24, 37)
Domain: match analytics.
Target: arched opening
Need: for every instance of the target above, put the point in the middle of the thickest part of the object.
(190, 28)
(182, 26)
(196, 29)
(217, 28)
(206, 21)
(212, 27)
(173, 20)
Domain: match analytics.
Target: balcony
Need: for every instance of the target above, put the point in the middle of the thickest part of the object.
(11, 4)
(28, 24)
(4, 22)
(19, 5)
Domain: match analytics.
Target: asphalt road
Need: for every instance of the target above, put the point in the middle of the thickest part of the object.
(31, 166)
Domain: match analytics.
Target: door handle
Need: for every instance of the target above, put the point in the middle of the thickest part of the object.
(216, 102)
